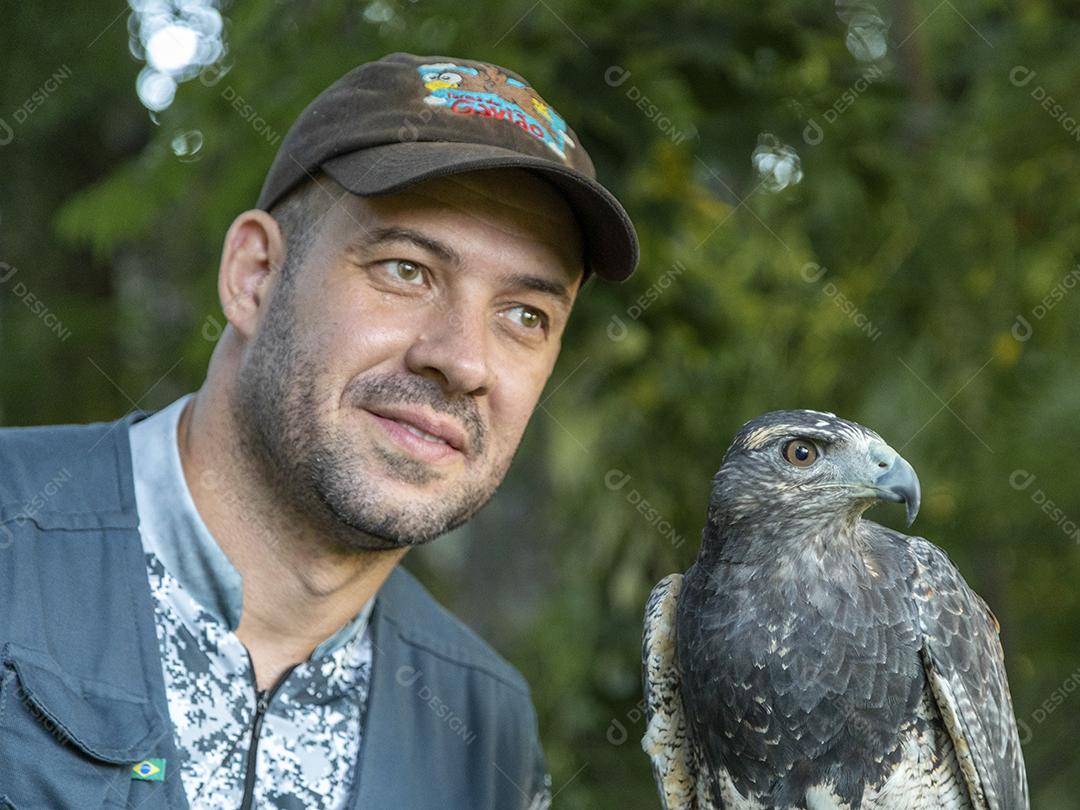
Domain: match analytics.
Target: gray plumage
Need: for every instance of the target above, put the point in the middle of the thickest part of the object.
(813, 659)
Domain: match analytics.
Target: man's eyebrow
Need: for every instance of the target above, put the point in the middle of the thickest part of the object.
(539, 284)
(380, 236)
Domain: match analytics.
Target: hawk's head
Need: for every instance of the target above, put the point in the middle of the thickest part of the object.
(807, 467)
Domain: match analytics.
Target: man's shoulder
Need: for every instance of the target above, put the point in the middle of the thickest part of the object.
(65, 468)
(421, 622)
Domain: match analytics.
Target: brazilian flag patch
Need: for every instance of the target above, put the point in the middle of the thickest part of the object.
(149, 770)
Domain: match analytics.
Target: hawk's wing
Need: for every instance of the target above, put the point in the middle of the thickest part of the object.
(665, 739)
(965, 668)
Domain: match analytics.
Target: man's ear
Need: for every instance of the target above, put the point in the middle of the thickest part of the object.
(252, 254)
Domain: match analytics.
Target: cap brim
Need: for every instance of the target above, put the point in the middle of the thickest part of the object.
(611, 246)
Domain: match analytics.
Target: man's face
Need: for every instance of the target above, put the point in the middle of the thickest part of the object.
(390, 379)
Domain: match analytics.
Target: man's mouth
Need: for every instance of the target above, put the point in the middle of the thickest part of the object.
(429, 436)
(423, 434)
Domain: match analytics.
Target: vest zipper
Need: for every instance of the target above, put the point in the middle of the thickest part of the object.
(262, 702)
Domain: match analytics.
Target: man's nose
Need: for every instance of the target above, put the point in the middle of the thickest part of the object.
(453, 347)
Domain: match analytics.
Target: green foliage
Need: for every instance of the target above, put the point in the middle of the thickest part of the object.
(938, 202)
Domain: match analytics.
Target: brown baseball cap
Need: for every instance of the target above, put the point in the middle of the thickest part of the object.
(389, 124)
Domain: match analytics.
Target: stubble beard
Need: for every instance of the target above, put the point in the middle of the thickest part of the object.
(313, 469)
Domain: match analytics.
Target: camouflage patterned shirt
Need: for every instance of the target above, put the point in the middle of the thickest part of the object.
(311, 729)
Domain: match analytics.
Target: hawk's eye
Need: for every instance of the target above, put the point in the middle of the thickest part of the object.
(801, 452)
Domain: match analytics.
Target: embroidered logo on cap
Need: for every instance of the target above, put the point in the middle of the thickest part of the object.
(488, 92)
(149, 770)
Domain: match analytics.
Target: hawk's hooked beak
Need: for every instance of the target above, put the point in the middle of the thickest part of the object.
(899, 483)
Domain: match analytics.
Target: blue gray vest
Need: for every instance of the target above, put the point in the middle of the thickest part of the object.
(82, 695)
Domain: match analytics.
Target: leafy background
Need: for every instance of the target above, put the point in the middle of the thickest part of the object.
(919, 279)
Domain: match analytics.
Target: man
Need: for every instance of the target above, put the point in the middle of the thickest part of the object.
(202, 607)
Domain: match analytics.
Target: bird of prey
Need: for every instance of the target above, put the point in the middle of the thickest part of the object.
(813, 659)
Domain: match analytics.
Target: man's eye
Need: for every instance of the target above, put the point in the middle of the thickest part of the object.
(528, 317)
(406, 271)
